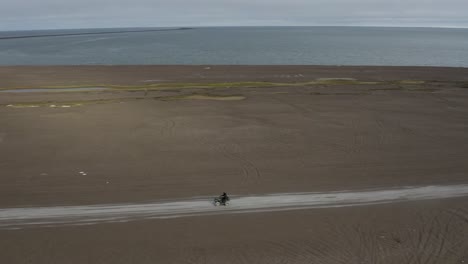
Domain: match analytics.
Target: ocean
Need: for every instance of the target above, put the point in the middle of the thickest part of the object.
(238, 45)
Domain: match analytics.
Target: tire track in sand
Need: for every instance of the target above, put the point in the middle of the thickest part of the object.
(168, 127)
(435, 239)
(251, 174)
(439, 239)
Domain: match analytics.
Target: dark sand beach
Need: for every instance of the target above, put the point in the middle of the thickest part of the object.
(163, 133)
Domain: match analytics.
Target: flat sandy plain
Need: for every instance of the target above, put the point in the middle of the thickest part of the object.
(163, 134)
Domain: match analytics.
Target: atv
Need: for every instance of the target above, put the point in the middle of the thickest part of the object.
(220, 201)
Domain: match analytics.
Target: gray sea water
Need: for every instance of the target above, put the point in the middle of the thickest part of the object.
(239, 45)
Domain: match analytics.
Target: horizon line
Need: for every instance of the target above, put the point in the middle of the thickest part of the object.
(237, 26)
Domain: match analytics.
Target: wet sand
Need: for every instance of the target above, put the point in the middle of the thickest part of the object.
(19, 218)
(422, 232)
(139, 147)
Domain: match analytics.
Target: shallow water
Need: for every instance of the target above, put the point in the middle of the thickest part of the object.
(243, 45)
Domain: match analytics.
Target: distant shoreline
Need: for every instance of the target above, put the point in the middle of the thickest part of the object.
(94, 33)
(254, 26)
(51, 76)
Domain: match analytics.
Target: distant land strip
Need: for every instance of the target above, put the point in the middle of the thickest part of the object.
(93, 33)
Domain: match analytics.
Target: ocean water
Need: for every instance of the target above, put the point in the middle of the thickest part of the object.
(239, 45)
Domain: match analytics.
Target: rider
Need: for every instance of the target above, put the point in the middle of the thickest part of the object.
(224, 198)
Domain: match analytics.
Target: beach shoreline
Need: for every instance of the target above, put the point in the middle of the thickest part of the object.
(157, 135)
(41, 76)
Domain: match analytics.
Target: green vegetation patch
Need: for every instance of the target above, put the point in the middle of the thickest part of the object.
(342, 93)
(342, 81)
(423, 89)
(38, 104)
(69, 104)
(411, 82)
(23, 105)
(396, 88)
(171, 86)
(336, 81)
(181, 86)
(65, 104)
(204, 97)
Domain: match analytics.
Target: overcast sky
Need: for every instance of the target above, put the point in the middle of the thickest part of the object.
(42, 14)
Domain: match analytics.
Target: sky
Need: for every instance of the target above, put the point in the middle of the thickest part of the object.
(59, 14)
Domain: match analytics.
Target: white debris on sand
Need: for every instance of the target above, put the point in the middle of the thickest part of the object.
(153, 80)
(21, 106)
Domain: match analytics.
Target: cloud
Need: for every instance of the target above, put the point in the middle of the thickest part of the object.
(37, 14)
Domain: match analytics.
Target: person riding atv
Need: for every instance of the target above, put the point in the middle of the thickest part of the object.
(223, 199)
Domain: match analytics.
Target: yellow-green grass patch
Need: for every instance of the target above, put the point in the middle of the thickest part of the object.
(411, 82)
(204, 97)
(250, 84)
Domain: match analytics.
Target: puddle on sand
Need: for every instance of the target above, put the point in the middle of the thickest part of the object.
(41, 90)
